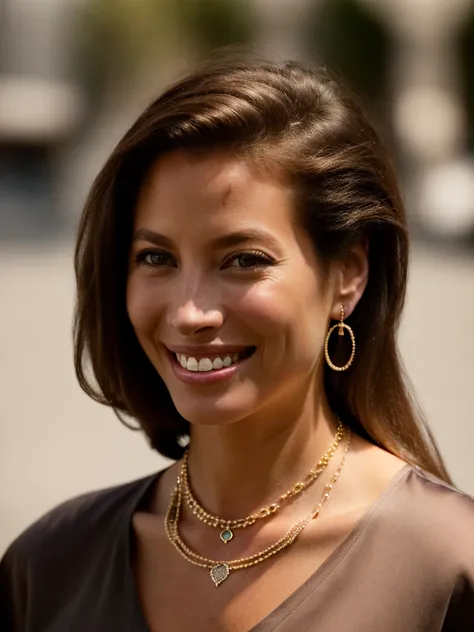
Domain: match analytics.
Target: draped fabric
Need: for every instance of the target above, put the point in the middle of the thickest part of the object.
(407, 565)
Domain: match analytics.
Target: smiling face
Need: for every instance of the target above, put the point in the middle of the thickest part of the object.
(224, 292)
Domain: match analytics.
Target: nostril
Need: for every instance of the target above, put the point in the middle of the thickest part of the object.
(190, 320)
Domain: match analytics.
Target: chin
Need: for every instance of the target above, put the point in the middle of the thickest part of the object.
(221, 411)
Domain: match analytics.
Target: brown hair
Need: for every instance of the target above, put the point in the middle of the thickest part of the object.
(302, 121)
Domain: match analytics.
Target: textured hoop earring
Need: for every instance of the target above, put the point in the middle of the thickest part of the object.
(341, 326)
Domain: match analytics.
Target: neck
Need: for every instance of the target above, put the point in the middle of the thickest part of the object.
(238, 468)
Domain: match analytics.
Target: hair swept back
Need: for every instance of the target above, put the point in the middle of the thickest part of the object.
(304, 122)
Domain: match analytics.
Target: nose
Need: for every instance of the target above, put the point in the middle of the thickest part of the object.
(194, 311)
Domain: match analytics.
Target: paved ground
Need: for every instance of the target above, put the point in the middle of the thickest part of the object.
(55, 443)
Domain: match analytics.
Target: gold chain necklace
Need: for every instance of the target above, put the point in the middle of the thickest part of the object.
(226, 525)
(220, 569)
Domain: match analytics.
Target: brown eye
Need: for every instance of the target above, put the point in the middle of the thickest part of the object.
(155, 259)
(248, 260)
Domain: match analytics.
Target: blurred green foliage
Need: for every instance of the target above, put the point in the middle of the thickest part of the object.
(217, 23)
(114, 38)
(346, 37)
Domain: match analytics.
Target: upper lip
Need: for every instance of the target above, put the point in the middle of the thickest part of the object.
(203, 350)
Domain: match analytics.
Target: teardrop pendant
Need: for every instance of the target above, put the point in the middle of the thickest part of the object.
(226, 535)
(219, 573)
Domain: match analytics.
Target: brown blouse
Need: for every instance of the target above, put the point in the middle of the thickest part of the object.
(407, 565)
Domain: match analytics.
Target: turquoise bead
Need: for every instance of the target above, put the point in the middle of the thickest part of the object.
(226, 535)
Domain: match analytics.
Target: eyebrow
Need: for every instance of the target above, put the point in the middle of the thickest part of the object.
(144, 234)
(225, 241)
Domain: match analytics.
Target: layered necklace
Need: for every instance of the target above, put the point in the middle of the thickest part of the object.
(225, 525)
(221, 569)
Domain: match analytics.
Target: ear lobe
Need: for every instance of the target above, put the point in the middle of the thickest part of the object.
(354, 274)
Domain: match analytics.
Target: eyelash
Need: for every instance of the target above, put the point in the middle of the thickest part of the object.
(143, 254)
(262, 259)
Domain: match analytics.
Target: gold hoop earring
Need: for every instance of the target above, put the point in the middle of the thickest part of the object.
(341, 326)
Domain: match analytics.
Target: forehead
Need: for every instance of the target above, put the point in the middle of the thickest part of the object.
(214, 189)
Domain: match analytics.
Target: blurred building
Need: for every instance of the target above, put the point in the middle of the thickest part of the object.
(40, 106)
(413, 60)
(73, 73)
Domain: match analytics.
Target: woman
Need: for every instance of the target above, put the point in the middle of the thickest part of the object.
(241, 268)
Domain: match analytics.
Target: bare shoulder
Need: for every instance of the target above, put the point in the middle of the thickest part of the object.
(373, 455)
(369, 470)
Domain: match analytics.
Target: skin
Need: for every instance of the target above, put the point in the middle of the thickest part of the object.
(253, 435)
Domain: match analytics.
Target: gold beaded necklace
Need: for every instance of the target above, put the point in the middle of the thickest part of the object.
(226, 525)
(220, 569)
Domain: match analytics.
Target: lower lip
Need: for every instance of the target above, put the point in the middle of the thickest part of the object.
(204, 377)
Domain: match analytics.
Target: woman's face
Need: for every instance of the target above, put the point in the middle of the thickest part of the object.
(224, 292)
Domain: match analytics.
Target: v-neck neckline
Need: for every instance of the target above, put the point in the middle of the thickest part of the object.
(276, 616)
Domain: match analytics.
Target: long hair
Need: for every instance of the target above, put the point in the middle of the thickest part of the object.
(293, 120)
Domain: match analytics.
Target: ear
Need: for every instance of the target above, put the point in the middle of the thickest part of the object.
(351, 280)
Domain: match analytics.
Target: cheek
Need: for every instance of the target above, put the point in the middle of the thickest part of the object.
(291, 317)
(143, 309)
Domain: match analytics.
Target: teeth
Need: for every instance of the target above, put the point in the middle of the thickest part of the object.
(205, 364)
(192, 364)
(217, 364)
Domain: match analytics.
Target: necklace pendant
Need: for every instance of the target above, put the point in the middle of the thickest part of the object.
(226, 535)
(219, 573)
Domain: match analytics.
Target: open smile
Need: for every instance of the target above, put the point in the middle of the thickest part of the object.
(205, 368)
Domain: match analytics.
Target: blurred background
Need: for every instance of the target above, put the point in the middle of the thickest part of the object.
(73, 76)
